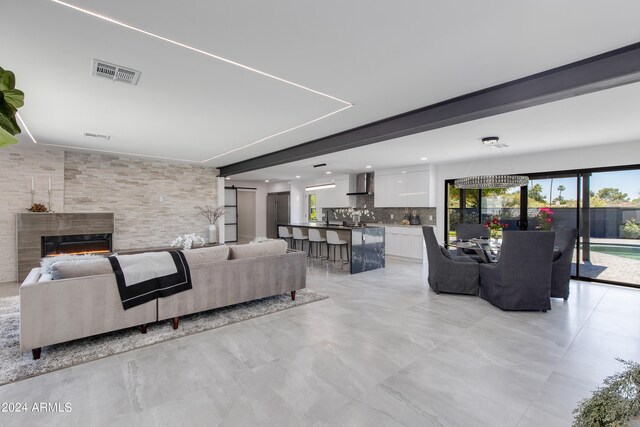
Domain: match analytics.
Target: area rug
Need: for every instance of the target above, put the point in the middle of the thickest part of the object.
(16, 365)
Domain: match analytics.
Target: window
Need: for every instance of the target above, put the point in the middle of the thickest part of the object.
(313, 216)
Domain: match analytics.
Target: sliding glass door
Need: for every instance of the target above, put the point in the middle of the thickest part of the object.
(610, 238)
(603, 204)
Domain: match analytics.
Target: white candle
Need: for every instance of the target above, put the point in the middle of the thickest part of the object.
(49, 184)
(33, 185)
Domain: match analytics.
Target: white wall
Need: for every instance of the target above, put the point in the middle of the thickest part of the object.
(298, 203)
(547, 161)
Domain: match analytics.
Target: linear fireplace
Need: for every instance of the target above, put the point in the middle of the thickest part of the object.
(76, 244)
(33, 226)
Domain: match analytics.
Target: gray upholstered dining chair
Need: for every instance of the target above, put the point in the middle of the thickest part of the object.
(467, 232)
(471, 231)
(521, 279)
(449, 273)
(561, 268)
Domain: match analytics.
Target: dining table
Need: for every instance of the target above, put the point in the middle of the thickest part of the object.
(488, 251)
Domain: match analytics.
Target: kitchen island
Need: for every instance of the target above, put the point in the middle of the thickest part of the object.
(366, 244)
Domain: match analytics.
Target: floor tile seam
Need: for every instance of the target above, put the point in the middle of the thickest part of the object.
(563, 355)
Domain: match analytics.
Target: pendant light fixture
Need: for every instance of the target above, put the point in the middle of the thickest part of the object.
(491, 181)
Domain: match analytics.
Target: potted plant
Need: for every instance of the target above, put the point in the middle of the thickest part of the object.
(213, 215)
(615, 404)
(10, 100)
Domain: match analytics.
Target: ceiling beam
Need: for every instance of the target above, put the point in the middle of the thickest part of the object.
(615, 68)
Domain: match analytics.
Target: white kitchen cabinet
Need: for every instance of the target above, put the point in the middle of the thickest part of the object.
(406, 242)
(423, 199)
(380, 191)
(402, 190)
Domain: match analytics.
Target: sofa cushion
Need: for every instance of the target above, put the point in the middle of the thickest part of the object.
(80, 268)
(47, 262)
(206, 255)
(273, 247)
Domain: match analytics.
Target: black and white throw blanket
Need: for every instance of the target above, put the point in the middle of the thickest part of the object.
(147, 276)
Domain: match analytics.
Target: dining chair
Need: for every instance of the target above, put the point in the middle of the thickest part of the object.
(449, 273)
(521, 278)
(471, 231)
(565, 242)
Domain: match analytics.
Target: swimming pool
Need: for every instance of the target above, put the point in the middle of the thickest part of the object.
(626, 251)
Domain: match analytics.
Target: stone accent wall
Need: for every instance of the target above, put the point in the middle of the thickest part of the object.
(18, 163)
(153, 201)
(130, 187)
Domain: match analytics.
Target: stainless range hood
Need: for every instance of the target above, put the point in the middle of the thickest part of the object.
(360, 184)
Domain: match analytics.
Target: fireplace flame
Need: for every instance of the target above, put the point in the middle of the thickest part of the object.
(104, 251)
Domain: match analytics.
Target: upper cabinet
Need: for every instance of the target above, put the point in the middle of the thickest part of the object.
(402, 190)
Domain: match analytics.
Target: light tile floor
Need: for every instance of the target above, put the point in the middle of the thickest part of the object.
(383, 350)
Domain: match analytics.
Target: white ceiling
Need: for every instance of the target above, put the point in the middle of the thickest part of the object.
(605, 117)
(384, 57)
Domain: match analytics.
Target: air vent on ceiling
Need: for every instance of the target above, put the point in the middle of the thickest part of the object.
(114, 72)
(97, 135)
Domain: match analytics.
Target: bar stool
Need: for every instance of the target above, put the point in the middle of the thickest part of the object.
(334, 240)
(283, 233)
(314, 237)
(298, 236)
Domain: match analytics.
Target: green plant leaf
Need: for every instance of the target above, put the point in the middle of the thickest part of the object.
(9, 124)
(6, 138)
(7, 80)
(14, 98)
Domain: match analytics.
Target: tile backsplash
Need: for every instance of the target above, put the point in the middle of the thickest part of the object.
(380, 215)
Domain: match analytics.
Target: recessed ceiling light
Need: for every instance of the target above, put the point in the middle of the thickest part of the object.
(266, 180)
(404, 171)
(333, 180)
(345, 104)
(297, 176)
(424, 158)
(228, 178)
(328, 172)
(368, 166)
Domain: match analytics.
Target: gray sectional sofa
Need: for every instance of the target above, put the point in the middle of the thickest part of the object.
(85, 301)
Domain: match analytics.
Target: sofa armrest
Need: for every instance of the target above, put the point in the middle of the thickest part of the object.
(62, 310)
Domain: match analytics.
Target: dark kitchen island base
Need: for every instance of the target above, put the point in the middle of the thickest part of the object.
(367, 249)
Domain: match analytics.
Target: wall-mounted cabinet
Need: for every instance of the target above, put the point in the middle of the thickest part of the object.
(402, 190)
